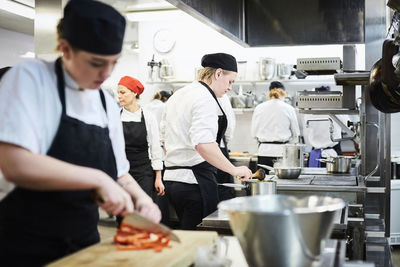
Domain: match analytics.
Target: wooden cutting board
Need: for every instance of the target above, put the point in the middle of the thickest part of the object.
(106, 254)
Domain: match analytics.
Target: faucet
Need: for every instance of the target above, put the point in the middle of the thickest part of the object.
(331, 130)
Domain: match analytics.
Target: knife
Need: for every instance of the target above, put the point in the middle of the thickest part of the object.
(138, 221)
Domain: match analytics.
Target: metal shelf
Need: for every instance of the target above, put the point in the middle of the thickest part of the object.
(239, 82)
(242, 110)
(329, 111)
(355, 78)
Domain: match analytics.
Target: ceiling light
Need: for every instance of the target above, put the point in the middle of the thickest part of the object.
(28, 54)
(150, 6)
(18, 9)
(171, 14)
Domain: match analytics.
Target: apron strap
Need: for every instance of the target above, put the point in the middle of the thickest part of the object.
(179, 167)
(214, 96)
(103, 100)
(60, 84)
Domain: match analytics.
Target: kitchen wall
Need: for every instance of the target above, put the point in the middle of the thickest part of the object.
(13, 45)
(193, 40)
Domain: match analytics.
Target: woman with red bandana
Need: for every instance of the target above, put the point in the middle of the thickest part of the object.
(142, 139)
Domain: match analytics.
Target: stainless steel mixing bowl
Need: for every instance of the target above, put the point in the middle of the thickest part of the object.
(281, 230)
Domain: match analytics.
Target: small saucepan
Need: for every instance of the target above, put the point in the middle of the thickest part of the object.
(284, 172)
(255, 187)
(339, 164)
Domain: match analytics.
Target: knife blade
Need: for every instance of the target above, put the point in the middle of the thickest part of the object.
(138, 221)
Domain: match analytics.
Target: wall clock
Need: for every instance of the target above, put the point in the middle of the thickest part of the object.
(163, 41)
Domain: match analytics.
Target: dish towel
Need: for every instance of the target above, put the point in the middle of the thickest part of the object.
(313, 161)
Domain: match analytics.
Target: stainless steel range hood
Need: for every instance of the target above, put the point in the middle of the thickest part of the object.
(225, 16)
(283, 22)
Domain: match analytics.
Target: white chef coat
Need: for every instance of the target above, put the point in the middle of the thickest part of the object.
(156, 107)
(230, 116)
(190, 118)
(30, 109)
(153, 136)
(274, 121)
(317, 134)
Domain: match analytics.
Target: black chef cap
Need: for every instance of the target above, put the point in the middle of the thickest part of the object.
(276, 84)
(165, 94)
(220, 60)
(323, 88)
(93, 26)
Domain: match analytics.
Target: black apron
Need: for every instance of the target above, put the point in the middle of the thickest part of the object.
(225, 192)
(37, 227)
(137, 152)
(204, 172)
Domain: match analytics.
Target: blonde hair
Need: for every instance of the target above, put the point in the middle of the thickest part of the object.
(277, 93)
(206, 74)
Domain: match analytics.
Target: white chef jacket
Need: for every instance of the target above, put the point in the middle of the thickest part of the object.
(156, 107)
(317, 134)
(153, 136)
(230, 116)
(30, 109)
(190, 118)
(274, 121)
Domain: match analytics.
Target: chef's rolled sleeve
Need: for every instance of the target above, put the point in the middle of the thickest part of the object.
(153, 139)
(204, 124)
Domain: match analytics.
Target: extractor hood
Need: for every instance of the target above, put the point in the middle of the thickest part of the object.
(283, 22)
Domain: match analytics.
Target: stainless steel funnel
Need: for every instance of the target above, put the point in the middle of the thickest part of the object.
(280, 230)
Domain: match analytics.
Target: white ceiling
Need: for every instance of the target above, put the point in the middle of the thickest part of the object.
(21, 24)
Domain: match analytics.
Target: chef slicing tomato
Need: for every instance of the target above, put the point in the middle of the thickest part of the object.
(60, 139)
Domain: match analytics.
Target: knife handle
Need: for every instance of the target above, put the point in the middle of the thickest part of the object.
(96, 195)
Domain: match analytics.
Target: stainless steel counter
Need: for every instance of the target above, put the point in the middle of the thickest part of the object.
(332, 255)
(317, 179)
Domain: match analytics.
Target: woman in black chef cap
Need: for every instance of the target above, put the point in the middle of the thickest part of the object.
(69, 145)
(191, 129)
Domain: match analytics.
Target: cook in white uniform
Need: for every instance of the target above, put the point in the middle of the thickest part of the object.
(274, 124)
(223, 177)
(192, 130)
(317, 134)
(157, 105)
(61, 139)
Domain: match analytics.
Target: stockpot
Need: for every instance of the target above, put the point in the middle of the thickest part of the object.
(339, 164)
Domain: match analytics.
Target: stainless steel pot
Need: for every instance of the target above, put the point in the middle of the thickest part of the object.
(339, 164)
(267, 68)
(256, 187)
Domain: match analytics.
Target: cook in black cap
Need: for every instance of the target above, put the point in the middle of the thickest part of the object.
(93, 26)
(61, 139)
(220, 60)
(193, 126)
(276, 84)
